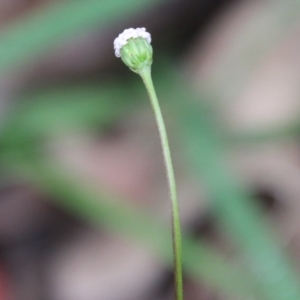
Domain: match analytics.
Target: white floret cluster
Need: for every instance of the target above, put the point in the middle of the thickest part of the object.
(127, 34)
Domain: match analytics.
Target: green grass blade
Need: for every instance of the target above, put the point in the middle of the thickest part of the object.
(54, 24)
(199, 260)
(235, 209)
(53, 110)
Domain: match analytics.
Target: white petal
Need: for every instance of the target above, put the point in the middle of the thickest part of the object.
(127, 34)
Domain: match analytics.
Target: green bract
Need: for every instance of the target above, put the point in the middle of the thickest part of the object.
(137, 54)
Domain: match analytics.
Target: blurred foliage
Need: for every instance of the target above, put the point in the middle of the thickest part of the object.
(45, 114)
(48, 27)
(49, 112)
(42, 116)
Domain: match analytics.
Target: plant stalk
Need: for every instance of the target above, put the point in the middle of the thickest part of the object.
(145, 73)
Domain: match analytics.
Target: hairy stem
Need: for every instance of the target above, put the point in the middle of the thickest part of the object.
(145, 73)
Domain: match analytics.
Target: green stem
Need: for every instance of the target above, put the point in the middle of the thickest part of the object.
(145, 73)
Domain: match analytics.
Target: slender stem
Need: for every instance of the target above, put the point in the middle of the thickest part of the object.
(145, 73)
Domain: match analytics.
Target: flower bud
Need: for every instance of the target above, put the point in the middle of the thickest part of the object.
(134, 48)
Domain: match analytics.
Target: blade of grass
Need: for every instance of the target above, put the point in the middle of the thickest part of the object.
(199, 260)
(236, 210)
(54, 24)
(52, 110)
(288, 131)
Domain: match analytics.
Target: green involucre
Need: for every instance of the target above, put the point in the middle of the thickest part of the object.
(137, 54)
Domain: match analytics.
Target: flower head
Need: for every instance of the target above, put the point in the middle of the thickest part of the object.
(127, 34)
(133, 46)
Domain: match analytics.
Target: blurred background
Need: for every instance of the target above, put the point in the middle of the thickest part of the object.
(84, 206)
